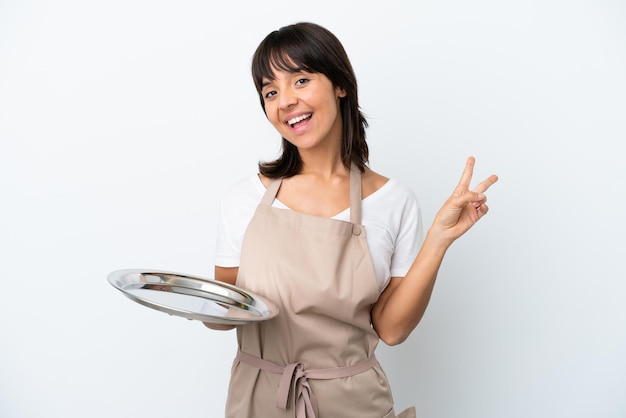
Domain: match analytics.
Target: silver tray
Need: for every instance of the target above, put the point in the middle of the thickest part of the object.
(192, 297)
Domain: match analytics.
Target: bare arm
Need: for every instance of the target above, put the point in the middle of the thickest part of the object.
(402, 304)
(227, 275)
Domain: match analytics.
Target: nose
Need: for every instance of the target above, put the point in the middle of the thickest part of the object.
(287, 98)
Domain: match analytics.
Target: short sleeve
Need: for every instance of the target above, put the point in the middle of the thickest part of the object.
(392, 218)
(410, 235)
(235, 209)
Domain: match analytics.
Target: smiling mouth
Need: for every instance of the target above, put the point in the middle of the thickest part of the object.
(294, 121)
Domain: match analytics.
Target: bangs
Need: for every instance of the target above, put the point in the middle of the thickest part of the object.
(279, 59)
(284, 50)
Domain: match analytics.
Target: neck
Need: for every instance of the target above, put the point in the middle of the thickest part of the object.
(322, 164)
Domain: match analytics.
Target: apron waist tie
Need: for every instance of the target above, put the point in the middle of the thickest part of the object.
(294, 375)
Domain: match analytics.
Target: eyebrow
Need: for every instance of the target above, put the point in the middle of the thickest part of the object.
(267, 81)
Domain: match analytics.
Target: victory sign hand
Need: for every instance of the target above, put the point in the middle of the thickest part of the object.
(463, 209)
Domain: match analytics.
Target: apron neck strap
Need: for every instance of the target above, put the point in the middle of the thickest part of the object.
(355, 194)
(271, 192)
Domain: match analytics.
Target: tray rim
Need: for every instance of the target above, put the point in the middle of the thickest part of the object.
(270, 309)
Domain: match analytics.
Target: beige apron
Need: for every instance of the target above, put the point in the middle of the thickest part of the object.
(316, 358)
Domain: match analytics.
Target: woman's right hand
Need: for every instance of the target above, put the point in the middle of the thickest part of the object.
(226, 275)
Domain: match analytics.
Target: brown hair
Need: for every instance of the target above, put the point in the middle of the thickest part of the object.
(309, 47)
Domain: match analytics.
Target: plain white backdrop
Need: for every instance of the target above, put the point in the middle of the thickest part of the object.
(122, 121)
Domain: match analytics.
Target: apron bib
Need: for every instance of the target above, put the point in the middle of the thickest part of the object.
(315, 359)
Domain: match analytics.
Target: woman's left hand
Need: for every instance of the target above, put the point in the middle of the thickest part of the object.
(463, 209)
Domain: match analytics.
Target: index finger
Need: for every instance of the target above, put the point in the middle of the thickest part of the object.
(466, 177)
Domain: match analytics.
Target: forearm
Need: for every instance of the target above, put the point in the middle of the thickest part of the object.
(401, 307)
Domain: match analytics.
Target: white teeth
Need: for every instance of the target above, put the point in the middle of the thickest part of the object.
(298, 119)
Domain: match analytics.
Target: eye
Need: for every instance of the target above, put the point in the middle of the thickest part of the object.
(302, 81)
(269, 94)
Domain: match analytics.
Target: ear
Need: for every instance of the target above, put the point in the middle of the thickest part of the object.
(340, 92)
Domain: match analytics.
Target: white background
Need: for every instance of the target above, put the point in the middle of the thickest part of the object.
(121, 121)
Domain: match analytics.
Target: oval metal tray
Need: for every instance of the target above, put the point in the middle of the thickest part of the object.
(192, 297)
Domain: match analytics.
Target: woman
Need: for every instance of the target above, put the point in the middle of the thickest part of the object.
(335, 245)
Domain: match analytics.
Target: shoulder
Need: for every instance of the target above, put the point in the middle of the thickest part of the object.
(372, 182)
(384, 188)
(248, 188)
(239, 201)
(236, 207)
(394, 206)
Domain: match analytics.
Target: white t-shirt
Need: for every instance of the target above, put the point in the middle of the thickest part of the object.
(391, 217)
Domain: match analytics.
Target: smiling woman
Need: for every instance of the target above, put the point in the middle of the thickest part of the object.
(121, 121)
(337, 246)
(301, 52)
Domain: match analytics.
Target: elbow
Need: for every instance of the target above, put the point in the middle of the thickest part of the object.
(391, 332)
(391, 341)
(218, 327)
(392, 329)
(393, 338)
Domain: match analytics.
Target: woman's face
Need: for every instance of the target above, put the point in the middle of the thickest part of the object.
(304, 108)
